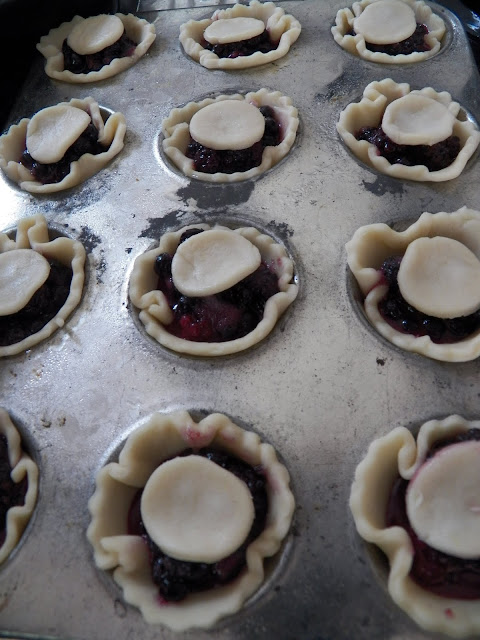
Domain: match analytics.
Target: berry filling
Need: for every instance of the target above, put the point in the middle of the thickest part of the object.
(415, 42)
(12, 493)
(225, 161)
(400, 315)
(435, 157)
(261, 43)
(40, 309)
(77, 63)
(438, 572)
(56, 172)
(228, 315)
(176, 579)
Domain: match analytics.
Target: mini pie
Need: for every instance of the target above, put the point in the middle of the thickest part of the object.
(409, 118)
(142, 464)
(387, 22)
(444, 277)
(90, 36)
(52, 132)
(441, 503)
(22, 470)
(282, 28)
(216, 271)
(176, 131)
(25, 266)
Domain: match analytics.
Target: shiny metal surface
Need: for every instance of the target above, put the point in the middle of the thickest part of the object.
(320, 388)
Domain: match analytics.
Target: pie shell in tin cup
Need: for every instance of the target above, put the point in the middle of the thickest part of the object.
(281, 27)
(162, 437)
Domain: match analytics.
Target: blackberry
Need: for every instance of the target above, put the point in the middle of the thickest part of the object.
(188, 234)
(415, 42)
(11, 493)
(77, 63)
(261, 43)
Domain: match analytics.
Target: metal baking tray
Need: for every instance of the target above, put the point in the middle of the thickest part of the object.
(320, 388)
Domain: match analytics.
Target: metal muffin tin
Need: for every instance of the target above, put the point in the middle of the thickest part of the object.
(320, 388)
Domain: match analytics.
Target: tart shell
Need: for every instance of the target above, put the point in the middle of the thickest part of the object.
(282, 28)
(162, 437)
(156, 314)
(50, 46)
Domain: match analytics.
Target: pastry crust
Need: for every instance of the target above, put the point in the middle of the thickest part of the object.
(356, 44)
(281, 26)
(162, 437)
(177, 135)
(372, 244)
(111, 134)
(32, 233)
(50, 46)
(155, 312)
(22, 465)
(398, 454)
(369, 112)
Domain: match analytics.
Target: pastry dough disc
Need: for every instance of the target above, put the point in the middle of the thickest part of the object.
(228, 124)
(22, 273)
(443, 500)
(233, 30)
(386, 22)
(440, 277)
(95, 34)
(195, 510)
(53, 130)
(213, 261)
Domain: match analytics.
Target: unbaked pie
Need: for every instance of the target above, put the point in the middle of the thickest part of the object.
(187, 515)
(415, 135)
(389, 31)
(418, 502)
(210, 291)
(61, 146)
(41, 283)
(95, 48)
(18, 486)
(231, 137)
(421, 286)
(241, 36)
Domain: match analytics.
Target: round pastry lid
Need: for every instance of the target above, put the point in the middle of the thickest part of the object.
(53, 130)
(228, 124)
(95, 34)
(443, 500)
(233, 30)
(440, 277)
(22, 273)
(195, 510)
(386, 22)
(213, 261)
(417, 119)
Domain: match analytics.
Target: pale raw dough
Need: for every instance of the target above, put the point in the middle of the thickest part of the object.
(233, 30)
(356, 44)
(369, 112)
(162, 437)
(95, 34)
(155, 313)
(32, 236)
(110, 134)
(53, 130)
(388, 457)
(50, 46)
(385, 22)
(176, 134)
(22, 273)
(282, 28)
(372, 244)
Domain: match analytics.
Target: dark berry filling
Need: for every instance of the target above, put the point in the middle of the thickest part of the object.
(87, 142)
(434, 157)
(261, 43)
(224, 161)
(77, 63)
(177, 578)
(440, 573)
(221, 317)
(415, 42)
(12, 493)
(40, 309)
(404, 318)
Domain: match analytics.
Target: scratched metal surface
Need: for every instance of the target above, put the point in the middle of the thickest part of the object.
(320, 388)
